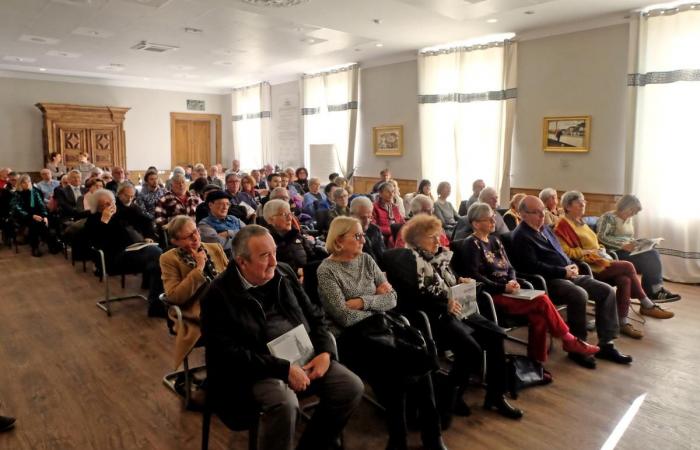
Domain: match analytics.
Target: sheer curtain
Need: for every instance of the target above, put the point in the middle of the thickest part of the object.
(330, 114)
(665, 87)
(251, 125)
(467, 106)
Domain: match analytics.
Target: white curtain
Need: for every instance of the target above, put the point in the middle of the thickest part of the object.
(665, 87)
(467, 105)
(251, 125)
(330, 115)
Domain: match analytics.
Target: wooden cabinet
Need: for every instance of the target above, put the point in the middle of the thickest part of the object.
(73, 129)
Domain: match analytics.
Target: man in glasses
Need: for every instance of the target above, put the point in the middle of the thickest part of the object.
(361, 209)
(536, 250)
(220, 227)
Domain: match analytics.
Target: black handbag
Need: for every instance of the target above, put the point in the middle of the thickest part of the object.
(524, 372)
(400, 348)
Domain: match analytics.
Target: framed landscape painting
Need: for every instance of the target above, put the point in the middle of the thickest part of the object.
(388, 141)
(566, 134)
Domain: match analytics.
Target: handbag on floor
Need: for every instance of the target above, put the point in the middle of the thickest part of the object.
(524, 372)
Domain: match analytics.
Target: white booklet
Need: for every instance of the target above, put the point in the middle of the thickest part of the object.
(525, 294)
(465, 294)
(295, 346)
(138, 246)
(644, 245)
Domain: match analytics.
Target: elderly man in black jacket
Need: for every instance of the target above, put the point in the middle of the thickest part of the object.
(253, 302)
(361, 209)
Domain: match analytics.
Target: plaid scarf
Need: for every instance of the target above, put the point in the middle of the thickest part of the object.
(209, 269)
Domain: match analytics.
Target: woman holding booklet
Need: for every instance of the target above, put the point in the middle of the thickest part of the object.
(580, 243)
(485, 260)
(616, 232)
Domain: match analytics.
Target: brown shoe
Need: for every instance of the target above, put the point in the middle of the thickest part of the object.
(628, 330)
(656, 312)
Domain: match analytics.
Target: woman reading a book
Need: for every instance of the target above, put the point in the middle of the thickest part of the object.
(616, 232)
(580, 243)
(467, 335)
(484, 259)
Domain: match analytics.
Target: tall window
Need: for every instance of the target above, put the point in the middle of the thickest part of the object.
(466, 105)
(251, 125)
(330, 120)
(666, 87)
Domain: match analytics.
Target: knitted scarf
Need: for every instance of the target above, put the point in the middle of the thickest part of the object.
(433, 272)
(209, 269)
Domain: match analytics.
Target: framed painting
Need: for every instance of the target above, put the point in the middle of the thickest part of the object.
(388, 140)
(566, 134)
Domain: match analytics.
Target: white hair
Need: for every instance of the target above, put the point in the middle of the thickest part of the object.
(359, 202)
(273, 207)
(94, 199)
(420, 203)
(547, 193)
(486, 193)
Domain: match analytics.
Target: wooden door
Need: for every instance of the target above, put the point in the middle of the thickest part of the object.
(191, 136)
(102, 146)
(71, 143)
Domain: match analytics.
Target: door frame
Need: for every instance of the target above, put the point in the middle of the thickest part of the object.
(215, 118)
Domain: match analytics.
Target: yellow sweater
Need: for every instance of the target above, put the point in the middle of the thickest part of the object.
(588, 238)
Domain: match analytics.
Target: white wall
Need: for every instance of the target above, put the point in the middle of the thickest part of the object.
(581, 73)
(389, 96)
(147, 124)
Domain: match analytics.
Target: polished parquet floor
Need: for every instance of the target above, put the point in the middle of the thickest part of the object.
(77, 379)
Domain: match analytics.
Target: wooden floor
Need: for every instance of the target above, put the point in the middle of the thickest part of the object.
(77, 379)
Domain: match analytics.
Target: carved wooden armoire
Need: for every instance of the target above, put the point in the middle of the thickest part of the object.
(73, 129)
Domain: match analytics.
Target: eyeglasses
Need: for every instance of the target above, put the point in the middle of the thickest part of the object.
(488, 219)
(191, 236)
(359, 236)
(286, 215)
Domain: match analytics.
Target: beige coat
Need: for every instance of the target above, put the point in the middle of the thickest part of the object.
(181, 282)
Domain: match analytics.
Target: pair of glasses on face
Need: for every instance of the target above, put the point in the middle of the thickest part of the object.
(488, 219)
(192, 236)
(359, 236)
(286, 215)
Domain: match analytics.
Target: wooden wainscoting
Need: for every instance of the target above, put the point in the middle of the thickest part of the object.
(363, 185)
(596, 204)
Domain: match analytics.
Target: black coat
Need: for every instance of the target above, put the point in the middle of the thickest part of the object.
(234, 332)
(293, 248)
(68, 204)
(374, 244)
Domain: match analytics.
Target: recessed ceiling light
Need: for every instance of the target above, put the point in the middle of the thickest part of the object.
(113, 67)
(378, 21)
(21, 59)
(529, 13)
(62, 54)
(492, 21)
(379, 44)
(41, 69)
(92, 32)
(193, 30)
(38, 39)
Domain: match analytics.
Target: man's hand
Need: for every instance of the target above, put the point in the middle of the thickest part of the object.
(297, 379)
(629, 247)
(571, 271)
(384, 288)
(465, 280)
(454, 307)
(317, 367)
(223, 234)
(37, 218)
(200, 258)
(149, 240)
(512, 286)
(355, 303)
(108, 212)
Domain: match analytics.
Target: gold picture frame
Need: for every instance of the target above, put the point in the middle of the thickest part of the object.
(567, 134)
(388, 140)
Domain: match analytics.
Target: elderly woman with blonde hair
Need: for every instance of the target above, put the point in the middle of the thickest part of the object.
(353, 289)
(512, 216)
(186, 270)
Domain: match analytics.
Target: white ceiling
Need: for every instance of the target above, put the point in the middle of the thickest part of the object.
(240, 43)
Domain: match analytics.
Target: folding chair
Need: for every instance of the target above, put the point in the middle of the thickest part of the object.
(104, 303)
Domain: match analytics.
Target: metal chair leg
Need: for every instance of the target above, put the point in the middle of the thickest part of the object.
(104, 304)
(206, 424)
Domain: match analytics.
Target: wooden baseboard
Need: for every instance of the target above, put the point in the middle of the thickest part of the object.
(596, 204)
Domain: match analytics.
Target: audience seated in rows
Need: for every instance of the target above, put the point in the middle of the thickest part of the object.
(489, 196)
(538, 251)
(386, 213)
(219, 227)
(616, 232)
(466, 336)
(353, 289)
(552, 212)
(314, 198)
(477, 187)
(178, 201)
(150, 194)
(186, 270)
(115, 224)
(580, 243)
(444, 210)
(243, 377)
(202, 210)
(484, 259)
(422, 205)
(424, 187)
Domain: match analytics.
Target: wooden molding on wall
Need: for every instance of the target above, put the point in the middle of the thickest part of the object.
(216, 118)
(363, 185)
(596, 204)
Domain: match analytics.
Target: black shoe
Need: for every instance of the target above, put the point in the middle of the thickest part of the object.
(434, 444)
(157, 309)
(6, 423)
(502, 406)
(664, 296)
(586, 361)
(609, 352)
(461, 408)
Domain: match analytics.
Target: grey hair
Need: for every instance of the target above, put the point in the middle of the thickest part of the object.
(178, 169)
(478, 211)
(338, 193)
(628, 201)
(124, 185)
(487, 192)
(278, 192)
(96, 171)
(231, 175)
(384, 186)
(179, 177)
(176, 224)
(75, 171)
(22, 177)
(359, 202)
(442, 185)
(314, 180)
(419, 201)
(199, 166)
(547, 193)
(569, 197)
(94, 199)
(240, 241)
(272, 207)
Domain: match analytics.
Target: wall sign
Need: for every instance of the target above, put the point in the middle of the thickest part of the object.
(195, 105)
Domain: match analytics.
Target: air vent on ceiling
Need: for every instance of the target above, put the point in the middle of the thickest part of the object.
(155, 48)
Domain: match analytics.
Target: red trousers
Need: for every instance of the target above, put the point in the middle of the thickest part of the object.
(543, 317)
(622, 275)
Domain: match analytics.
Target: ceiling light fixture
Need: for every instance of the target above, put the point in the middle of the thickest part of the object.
(193, 30)
(379, 44)
(492, 21)
(529, 13)
(378, 21)
(41, 69)
(275, 3)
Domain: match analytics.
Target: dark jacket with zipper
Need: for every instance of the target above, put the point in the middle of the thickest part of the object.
(235, 337)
